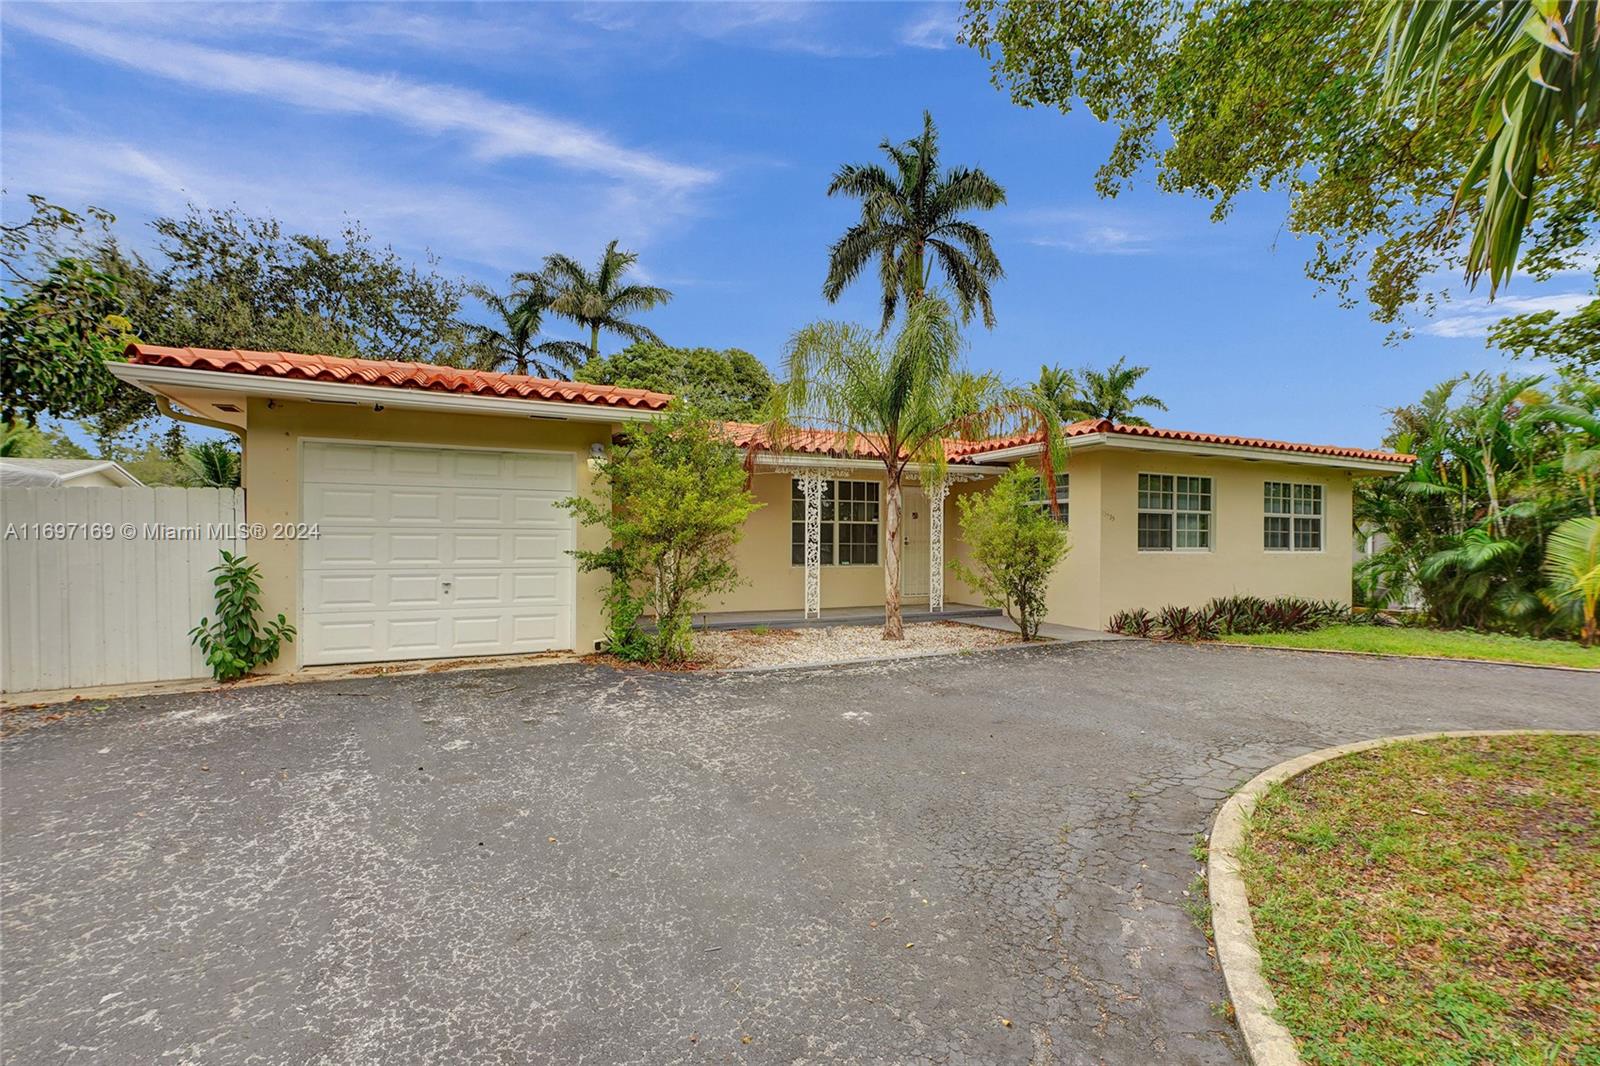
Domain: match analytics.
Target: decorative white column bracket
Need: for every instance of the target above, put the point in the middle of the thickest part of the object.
(811, 482)
(936, 492)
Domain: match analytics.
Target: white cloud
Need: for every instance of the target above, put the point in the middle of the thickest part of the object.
(1473, 318)
(1097, 231)
(935, 28)
(494, 129)
(498, 226)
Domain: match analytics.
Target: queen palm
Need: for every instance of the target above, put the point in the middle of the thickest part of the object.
(512, 341)
(598, 300)
(899, 401)
(909, 213)
(1109, 394)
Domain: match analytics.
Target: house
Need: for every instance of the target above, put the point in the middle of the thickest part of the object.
(65, 473)
(410, 511)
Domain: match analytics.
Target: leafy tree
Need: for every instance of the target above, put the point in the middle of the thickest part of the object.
(1572, 566)
(60, 316)
(1229, 96)
(908, 214)
(727, 383)
(1109, 394)
(673, 504)
(211, 464)
(1016, 545)
(23, 441)
(598, 300)
(901, 401)
(1497, 470)
(511, 342)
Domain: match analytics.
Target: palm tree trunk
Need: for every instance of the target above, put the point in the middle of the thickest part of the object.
(594, 342)
(1494, 498)
(893, 627)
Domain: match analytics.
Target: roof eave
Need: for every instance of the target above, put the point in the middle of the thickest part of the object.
(159, 379)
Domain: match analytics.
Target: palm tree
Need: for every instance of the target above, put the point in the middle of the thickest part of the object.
(598, 300)
(900, 401)
(1109, 394)
(1572, 566)
(512, 340)
(210, 464)
(909, 212)
(1057, 387)
(1528, 70)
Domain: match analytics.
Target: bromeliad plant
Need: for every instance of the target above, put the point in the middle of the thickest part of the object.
(237, 642)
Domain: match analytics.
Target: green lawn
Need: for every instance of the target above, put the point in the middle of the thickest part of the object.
(1435, 903)
(1450, 643)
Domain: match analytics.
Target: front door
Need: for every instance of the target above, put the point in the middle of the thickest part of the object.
(914, 546)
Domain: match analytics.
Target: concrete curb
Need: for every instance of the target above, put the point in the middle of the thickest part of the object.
(1389, 655)
(1266, 1040)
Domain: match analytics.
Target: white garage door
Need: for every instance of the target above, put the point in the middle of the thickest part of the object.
(429, 553)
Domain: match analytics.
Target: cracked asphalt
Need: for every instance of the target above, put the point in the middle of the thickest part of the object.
(567, 864)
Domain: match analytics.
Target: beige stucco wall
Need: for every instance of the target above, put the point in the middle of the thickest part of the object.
(768, 581)
(271, 475)
(1105, 483)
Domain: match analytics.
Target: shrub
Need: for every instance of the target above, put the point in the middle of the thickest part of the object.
(1135, 623)
(1015, 544)
(673, 503)
(1177, 623)
(236, 642)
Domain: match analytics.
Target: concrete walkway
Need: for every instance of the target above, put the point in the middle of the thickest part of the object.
(1069, 634)
(839, 616)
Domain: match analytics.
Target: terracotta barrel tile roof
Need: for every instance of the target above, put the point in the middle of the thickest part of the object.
(977, 449)
(336, 369)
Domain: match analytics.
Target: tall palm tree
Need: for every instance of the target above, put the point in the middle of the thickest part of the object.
(901, 401)
(1109, 394)
(598, 300)
(909, 212)
(512, 340)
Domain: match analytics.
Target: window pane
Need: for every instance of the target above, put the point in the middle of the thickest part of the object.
(1308, 499)
(1155, 532)
(1194, 494)
(1277, 497)
(1276, 534)
(1308, 534)
(1155, 492)
(1194, 530)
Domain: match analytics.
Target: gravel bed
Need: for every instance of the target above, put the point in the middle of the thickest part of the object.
(729, 648)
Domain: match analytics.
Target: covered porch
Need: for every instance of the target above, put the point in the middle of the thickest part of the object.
(840, 616)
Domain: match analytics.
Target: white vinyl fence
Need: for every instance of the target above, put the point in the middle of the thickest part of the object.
(101, 586)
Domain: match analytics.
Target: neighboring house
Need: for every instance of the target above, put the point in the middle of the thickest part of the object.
(65, 473)
(410, 510)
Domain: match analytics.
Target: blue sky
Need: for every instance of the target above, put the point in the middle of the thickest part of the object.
(702, 136)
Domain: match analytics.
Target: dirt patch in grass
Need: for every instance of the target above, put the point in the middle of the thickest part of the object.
(724, 649)
(1435, 902)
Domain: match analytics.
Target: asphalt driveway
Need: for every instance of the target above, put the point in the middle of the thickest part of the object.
(878, 864)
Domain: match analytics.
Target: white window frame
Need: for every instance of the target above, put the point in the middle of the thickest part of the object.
(1297, 490)
(1174, 511)
(830, 526)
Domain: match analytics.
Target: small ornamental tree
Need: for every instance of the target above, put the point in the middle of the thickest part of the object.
(1015, 544)
(673, 502)
(237, 642)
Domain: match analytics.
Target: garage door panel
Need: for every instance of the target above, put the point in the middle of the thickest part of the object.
(428, 552)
